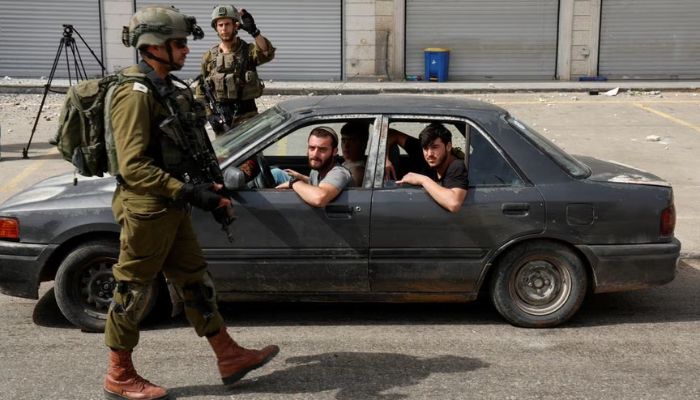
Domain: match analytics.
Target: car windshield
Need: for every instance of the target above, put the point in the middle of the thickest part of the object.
(573, 166)
(247, 132)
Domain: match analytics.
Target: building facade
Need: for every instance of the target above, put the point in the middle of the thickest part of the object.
(333, 40)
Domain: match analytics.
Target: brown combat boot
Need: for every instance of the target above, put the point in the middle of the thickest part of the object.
(236, 361)
(122, 381)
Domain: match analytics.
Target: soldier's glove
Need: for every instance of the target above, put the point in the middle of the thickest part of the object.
(200, 195)
(248, 24)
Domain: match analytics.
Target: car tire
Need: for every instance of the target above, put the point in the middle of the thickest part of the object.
(539, 284)
(84, 285)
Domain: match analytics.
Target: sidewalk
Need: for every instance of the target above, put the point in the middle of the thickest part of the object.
(20, 85)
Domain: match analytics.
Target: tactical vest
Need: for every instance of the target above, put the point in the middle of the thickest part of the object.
(234, 75)
(182, 147)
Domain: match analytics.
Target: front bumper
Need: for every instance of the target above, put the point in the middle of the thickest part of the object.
(20, 267)
(629, 267)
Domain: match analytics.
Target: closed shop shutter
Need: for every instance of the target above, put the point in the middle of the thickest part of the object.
(30, 33)
(306, 34)
(650, 39)
(506, 39)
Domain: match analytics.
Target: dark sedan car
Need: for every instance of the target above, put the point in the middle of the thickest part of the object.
(538, 230)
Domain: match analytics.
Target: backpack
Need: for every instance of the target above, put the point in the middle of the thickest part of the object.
(84, 136)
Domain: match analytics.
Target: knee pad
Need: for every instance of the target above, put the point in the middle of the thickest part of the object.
(200, 295)
(131, 300)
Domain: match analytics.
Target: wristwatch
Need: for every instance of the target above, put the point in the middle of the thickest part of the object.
(292, 182)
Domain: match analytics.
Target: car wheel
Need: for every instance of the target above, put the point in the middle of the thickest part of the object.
(84, 285)
(538, 285)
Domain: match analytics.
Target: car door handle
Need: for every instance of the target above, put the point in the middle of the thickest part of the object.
(515, 209)
(338, 211)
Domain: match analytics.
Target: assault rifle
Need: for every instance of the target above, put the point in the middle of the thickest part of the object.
(197, 144)
(219, 115)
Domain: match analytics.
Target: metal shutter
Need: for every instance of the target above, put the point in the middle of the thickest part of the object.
(648, 39)
(513, 39)
(306, 34)
(31, 33)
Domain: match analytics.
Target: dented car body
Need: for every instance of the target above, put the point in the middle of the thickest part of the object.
(539, 230)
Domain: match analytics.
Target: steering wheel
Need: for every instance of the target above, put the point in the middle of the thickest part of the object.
(264, 178)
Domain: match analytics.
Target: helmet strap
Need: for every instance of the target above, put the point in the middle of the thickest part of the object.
(169, 62)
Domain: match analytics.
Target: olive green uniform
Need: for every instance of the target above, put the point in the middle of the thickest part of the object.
(157, 234)
(234, 79)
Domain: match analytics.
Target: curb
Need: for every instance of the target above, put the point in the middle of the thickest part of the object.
(348, 88)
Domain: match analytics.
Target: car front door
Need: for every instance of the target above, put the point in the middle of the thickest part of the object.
(281, 244)
(417, 246)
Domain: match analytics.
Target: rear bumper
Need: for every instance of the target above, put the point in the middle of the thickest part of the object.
(630, 267)
(20, 267)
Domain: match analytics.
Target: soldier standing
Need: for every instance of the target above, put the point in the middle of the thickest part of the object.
(229, 68)
(152, 119)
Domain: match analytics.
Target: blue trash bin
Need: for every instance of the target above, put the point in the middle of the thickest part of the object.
(437, 63)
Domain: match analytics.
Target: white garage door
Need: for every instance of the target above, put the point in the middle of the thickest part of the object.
(506, 39)
(30, 34)
(650, 39)
(307, 35)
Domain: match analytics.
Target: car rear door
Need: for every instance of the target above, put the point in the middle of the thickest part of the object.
(417, 246)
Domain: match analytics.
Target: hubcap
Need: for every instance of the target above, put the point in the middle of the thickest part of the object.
(540, 286)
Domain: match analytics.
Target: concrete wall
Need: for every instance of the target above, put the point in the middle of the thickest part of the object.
(579, 27)
(116, 14)
(369, 38)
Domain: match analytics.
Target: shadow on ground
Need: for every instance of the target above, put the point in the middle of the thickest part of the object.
(37, 151)
(354, 375)
(675, 302)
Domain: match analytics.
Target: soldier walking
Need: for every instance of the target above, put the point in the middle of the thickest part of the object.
(229, 69)
(155, 120)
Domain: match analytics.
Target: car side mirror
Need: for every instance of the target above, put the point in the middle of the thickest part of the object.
(234, 179)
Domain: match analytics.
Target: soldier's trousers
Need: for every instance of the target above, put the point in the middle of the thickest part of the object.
(156, 238)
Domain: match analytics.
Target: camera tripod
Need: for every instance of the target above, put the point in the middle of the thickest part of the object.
(67, 43)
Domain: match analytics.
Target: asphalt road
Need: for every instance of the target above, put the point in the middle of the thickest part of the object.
(637, 345)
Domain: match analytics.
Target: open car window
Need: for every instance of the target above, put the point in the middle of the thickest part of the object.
(486, 166)
(289, 151)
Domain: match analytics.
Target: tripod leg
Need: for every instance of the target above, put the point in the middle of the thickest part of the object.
(79, 66)
(47, 87)
(68, 45)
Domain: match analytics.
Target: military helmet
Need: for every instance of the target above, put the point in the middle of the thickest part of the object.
(224, 11)
(154, 25)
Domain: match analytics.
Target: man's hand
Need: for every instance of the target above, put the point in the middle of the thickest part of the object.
(248, 23)
(296, 175)
(412, 178)
(204, 196)
(389, 170)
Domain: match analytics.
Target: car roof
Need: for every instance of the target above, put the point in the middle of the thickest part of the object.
(391, 104)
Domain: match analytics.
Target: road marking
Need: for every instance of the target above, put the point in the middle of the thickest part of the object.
(33, 167)
(668, 117)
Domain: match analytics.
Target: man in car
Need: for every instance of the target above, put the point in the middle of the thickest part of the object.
(153, 120)
(445, 178)
(353, 142)
(327, 179)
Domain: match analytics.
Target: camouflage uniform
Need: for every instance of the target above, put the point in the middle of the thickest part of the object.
(156, 233)
(233, 76)
(159, 138)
